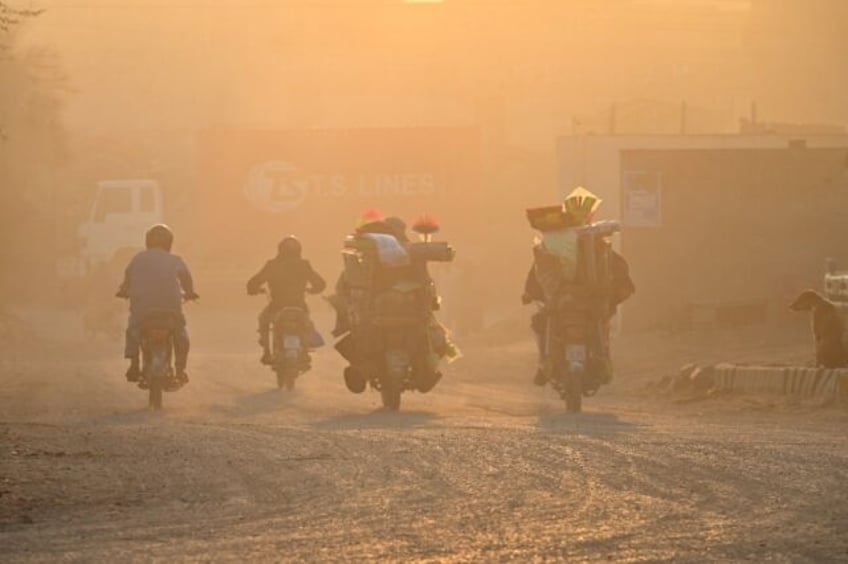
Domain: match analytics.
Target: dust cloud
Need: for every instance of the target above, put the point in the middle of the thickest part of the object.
(256, 119)
(130, 87)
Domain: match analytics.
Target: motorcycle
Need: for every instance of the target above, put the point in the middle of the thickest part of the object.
(293, 336)
(394, 342)
(290, 353)
(395, 349)
(576, 339)
(157, 353)
(575, 360)
(398, 334)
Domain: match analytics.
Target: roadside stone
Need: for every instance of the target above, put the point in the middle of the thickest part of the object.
(702, 379)
(683, 381)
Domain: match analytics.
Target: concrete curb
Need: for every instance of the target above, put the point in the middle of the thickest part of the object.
(799, 381)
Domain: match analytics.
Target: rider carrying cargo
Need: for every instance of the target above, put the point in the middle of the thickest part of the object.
(370, 223)
(561, 261)
(380, 257)
(289, 277)
(156, 281)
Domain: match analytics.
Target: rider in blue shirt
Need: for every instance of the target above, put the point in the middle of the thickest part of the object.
(156, 281)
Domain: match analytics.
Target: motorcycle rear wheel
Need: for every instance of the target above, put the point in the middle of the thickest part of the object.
(156, 381)
(573, 395)
(391, 397)
(285, 377)
(156, 372)
(390, 389)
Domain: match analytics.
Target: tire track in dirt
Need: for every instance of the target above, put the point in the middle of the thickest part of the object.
(475, 471)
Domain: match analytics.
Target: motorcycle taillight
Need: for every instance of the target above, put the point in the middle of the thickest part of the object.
(157, 334)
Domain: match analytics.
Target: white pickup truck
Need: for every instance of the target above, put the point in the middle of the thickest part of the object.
(836, 287)
(123, 210)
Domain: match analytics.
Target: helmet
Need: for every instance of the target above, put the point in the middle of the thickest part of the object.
(160, 237)
(290, 247)
(397, 227)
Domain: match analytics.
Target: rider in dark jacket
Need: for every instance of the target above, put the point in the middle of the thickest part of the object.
(621, 285)
(289, 277)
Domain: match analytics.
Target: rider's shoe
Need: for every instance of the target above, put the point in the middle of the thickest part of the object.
(340, 329)
(133, 373)
(267, 357)
(428, 381)
(306, 362)
(539, 379)
(176, 381)
(355, 380)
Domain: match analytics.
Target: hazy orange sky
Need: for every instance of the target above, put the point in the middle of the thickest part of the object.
(526, 65)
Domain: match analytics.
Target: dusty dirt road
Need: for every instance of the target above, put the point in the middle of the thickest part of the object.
(485, 468)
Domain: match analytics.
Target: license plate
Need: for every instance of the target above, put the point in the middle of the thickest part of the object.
(575, 353)
(291, 342)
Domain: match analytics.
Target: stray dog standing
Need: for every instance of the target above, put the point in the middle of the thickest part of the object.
(827, 328)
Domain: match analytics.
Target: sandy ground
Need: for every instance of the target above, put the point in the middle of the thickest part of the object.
(484, 468)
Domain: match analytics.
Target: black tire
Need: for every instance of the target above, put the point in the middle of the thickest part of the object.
(155, 393)
(395, 371)
(286, 375)
(390, 393)
(574, 393)
(354, 380)
(156, 381)
(390, 389)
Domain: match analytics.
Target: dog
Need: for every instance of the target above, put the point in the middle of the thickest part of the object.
(827, 328)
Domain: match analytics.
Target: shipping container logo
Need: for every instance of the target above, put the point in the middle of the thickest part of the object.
(275, 187)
